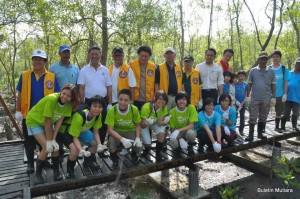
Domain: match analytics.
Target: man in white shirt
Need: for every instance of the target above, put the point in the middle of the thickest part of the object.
(211, 76)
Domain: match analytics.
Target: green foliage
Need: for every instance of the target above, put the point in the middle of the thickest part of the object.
(228, 192)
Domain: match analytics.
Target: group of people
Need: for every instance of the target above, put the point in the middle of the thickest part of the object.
(132, 102)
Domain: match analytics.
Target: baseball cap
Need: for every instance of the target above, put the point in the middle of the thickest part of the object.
(63, 48)
(297, 60)
(117, 50)
(263, 54)
(169, 49)
(39, 53)
(188, 57)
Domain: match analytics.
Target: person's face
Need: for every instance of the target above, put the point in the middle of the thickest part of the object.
(160, 102)
(182, 103)
(297, 66)
(143, 58)
(209, 107)
(96, 109)
(95, 57)
(123, 101)
(225, 103)
(262, 62)
(241, 77)
(170, 56)
(276, 59)
(227, 79)
(65, 96)
(118, 58)
(227, 56)
(188, 64)
(235, 79)
(209, 57)
(65, 56)
(38, 63)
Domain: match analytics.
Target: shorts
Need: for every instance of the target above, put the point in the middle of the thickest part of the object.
(35, 130)
(145, 134)
(64, 139)
(86, 137)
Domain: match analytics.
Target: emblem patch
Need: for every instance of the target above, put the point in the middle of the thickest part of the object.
(49, 84)
(150, 72)
(123, 74)
(195, 81)
(178, 74)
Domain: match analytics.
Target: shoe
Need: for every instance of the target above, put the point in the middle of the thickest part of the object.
(89, 162)
(38, 179)
(70, 169)
(124, 152)
(278, 130)
(30, 167)
(191, 150)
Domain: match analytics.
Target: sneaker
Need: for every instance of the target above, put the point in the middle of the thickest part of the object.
(278, 130)
(124, 152)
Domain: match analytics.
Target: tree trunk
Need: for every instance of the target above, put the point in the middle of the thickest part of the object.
(210, 24)
(237, 9)
(296, 28)
(281, 24)
(182, 33)
(104, 32)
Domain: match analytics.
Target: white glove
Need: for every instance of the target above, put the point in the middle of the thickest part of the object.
(137, 142)
(183, 143)
(200, 104)
(49, 147)
(237, 103)
(126, 143)
(273, 101)
(174, 134)
(85, 153)
(101, 148)
(108, 107)
(218, 100)
(284, 97)
(226, 130)
(167, 119)
(55, 145)
(225, 115)
(19, 116)
(217, 147)
(149, 121)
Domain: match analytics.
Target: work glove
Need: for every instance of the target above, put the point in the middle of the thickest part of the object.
(183, 143)
(225, 115)
(49, 147)
(284, 97)
(237, 103)
(108, 107)
(200, 104)
(55, 145)
(217, 147)
(174, 134)
(149, 121)
(101, 148)
(137, 142)
(19, 116)
(126, 143)
(85, 153)
(273, 101)
(226, 130)
(167, 119)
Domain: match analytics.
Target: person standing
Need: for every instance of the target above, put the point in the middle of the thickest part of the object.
(224, 62)
(211, 76)
(262, 85)
(168, 77)
(33, 85)
(64, 70)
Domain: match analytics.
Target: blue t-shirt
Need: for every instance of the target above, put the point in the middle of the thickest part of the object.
(232, 116)
(280, 79)
(65, 74)
(211, 121)
(240, 91)
(294, 88)
(37, 88)
(226, 88)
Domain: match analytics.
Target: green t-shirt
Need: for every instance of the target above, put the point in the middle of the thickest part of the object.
(123, 122)
(76, 124)
(47, 107)
(155, 114)
(181, 119)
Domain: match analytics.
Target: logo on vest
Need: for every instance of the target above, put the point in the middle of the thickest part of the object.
(178, 74)
(123, 74)
(49, 84)
(150, 72)
(195, 81)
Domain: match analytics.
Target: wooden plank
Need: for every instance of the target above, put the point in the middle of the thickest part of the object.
(26, 193)
(17, 194)
(13, 168)
(5, 189)
(12, 182)
(9, 176)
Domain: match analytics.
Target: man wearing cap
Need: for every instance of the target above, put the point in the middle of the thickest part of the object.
(191, 81)
(293, 97)
(122, 76)
(262, 85)
(169, 77)
(211, 76)
(144, 72)
(64, 70)
(33, 85)
(224, 62)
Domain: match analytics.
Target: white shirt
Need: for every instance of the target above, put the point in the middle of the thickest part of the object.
(211, 75)
(95, 81)
(114, 79)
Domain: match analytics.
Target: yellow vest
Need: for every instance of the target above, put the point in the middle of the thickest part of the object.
(123, 76)
(195, 87)
(150, 79)
(26, 88)
(164, 77)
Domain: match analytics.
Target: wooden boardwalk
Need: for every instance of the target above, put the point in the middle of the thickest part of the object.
(16, 183)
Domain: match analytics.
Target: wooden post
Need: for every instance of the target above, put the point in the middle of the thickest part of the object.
(193, 181)
(276, 153)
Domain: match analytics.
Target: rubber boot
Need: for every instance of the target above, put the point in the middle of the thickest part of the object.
(158, 149)
(56, 173)
(277, 121)
(146, 152)
(191, 150)
(251, 133)
(89, 162)
(200, 145)
(30, 166)
(38, 173)
(70, 169)
(283, 121)
(114, 158)
(135, 158)
(294, 123)
(260, 130)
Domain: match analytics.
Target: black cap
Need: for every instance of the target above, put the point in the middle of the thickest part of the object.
(188, 57)
(117, 50)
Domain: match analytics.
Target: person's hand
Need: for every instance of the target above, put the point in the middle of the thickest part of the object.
(200, 104)
(85, 153)
(126, 143)
(226, 130)
(55, 145)
(149, 121)
(167, 119)
(19, 116)
(284, 98)
(218, 100)
(174, 134)
(225, 116)
(49, 147)
(137, 142)
(183, 143)
(217, 147)
(273, 101)
(237, 103)
(108, 107)
(101, 148)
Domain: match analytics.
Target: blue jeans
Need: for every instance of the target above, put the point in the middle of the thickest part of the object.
(242, 118)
